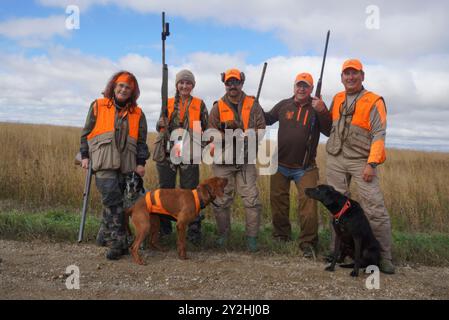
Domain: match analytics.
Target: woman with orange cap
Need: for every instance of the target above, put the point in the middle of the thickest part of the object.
(187, 114)
(114, 140)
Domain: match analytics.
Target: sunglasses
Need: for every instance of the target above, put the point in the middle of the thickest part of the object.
(302, 85)
(233, 82)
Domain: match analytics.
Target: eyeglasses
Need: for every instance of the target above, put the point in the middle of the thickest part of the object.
(302, 85)
(233, 82)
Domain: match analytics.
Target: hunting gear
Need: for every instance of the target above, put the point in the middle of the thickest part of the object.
(161, 145)
(189, 114)
(298, 138)
(113, 143)
(356, 147)
(237, 111)
(86, 193)
(308, 153)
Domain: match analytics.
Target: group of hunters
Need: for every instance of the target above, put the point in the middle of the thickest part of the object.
(115, 133)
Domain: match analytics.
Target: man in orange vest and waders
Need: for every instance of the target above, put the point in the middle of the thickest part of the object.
(237, 111)
(114, 139)
(356, 147)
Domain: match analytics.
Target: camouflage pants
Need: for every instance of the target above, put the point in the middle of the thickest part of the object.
(112, 229)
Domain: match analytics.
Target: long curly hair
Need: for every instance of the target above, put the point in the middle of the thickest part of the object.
(109, 90)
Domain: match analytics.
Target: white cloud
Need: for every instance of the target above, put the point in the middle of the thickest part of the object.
(58, 88)
(31, 32)
(406, 60)
(407, 28)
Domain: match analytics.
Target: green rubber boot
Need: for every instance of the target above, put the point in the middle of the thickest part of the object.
(386, 266)
(251, 243)
(221, 241)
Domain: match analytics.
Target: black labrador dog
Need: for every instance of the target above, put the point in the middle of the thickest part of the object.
(354, 237)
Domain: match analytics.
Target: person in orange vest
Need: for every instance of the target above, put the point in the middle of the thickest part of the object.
(183, 111)
(356, 147)
(301, 120)
(114, 139)
(237, 111)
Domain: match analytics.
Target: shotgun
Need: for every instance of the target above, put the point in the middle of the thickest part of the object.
(86, 193)
(164, 89)
(318, 86)
(245, 144)
(162, 145)
(313, 120)
(261, 81)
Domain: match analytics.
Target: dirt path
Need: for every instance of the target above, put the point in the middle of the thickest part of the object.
(36, 270)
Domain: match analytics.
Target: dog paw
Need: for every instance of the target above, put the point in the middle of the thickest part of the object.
(330, 268)
(140, 262)
(137, 259)
(354, 273)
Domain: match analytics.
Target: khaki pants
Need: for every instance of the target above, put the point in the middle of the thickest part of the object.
(307, 208)
(248, 192)
(340, 172)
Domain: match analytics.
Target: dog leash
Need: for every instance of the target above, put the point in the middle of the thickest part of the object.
(342, 211)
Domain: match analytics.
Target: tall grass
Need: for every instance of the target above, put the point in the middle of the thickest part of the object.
(37, 170)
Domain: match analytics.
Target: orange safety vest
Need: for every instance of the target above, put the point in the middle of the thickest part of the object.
(104, 112)
(158, 207)
(194, 110)
(227, 114)
(361, 118)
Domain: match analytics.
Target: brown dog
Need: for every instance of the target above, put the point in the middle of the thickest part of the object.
(181, 205)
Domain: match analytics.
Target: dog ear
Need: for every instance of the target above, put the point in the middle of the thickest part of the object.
(219, 186)
(204, 194)
(214, 187)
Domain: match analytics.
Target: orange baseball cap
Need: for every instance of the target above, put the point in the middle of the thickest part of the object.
(304, 77)
(232, 73)
(352, 63)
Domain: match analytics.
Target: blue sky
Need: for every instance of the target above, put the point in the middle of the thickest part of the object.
(111, 31)
(51, 74)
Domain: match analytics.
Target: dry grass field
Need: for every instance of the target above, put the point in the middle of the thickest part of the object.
(37, 171)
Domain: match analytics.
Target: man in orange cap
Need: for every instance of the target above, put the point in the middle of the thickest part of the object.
(114, 138)
(298, 117)
(356, 147)
(237, 111)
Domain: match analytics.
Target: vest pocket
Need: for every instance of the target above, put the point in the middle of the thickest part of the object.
(359, 143)
(159, 147)
(128, 157)
(104, 155)
(333, 144)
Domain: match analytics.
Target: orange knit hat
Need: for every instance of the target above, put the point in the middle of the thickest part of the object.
(126, 78)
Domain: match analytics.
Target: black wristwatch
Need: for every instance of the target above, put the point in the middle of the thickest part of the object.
(373, 165)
